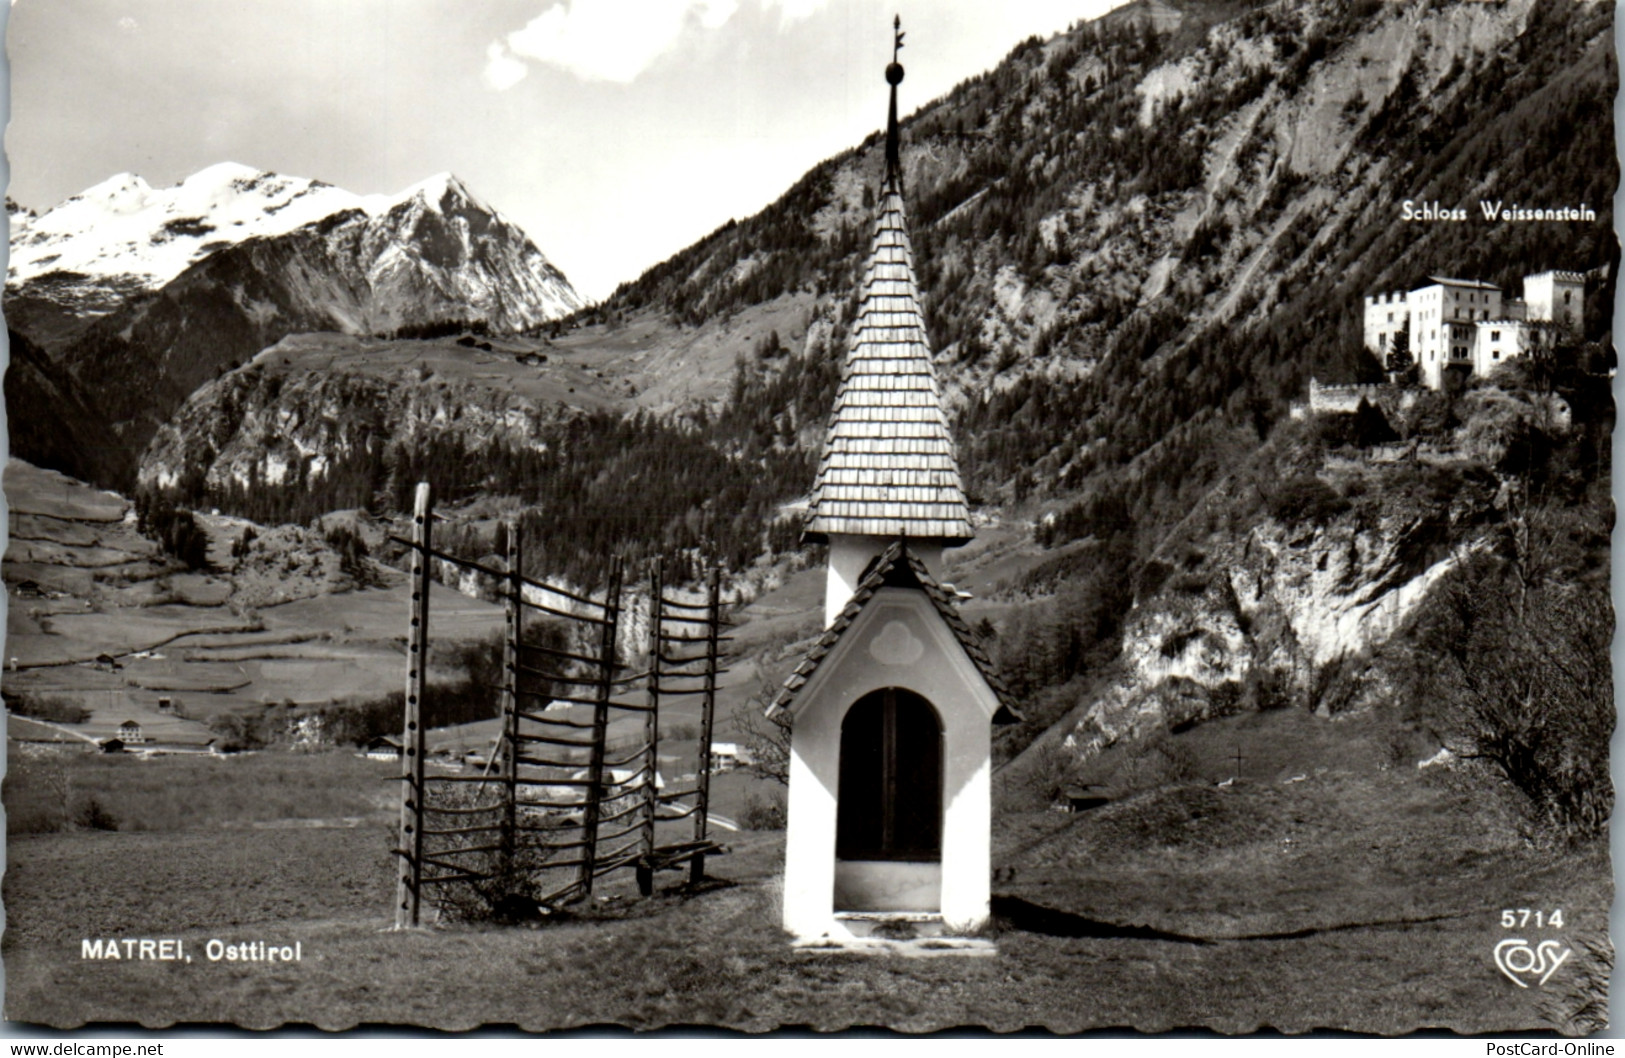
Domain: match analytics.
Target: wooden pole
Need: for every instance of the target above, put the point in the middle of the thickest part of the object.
(514, 615)
(713, 619)
(600, 728)
(651, 728)
(410, 886)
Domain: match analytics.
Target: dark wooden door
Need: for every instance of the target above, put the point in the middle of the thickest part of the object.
(890, 791)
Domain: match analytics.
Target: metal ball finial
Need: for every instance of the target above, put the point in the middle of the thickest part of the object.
(894, 73)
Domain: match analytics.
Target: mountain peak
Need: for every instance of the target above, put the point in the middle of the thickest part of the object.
(223, 173)
(120, 188)
(432, 191)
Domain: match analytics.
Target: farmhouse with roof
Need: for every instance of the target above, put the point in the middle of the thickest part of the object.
(890, 804)
(1468, 325)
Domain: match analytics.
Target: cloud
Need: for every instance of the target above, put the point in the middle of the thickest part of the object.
(502, 70)
(792, 11)
(614, 40)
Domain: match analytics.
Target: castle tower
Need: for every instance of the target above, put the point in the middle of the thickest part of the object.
(888, 470)
(890, 805)
(1556, 297)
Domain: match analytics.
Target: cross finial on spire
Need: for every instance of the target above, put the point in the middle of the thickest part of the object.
(894, 77)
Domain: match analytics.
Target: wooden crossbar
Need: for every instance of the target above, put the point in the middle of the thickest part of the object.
(702, 621)
(447, 878)
(543, 762)
(489, 827)
(629, 758)
(574, 743)
(572, 596)
(559, 805)
(554, 652)
(555, 612)
(676, 604)
(543, 718)
(697, 641)
(445, 810)
(622, 814)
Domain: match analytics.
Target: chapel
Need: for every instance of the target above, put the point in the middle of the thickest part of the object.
(890, 799)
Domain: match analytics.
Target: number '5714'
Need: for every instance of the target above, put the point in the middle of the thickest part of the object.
(1524, 916)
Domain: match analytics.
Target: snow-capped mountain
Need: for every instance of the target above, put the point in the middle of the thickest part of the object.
(136, 296)
(123, 228)
(122, 238)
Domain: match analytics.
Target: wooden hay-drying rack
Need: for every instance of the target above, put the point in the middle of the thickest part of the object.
(560, 809)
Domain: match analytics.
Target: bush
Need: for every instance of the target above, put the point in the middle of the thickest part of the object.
(93, 815)
(358, 722)
(508, 888)
(1305, 499)
(237, 732)
(1523, 671)
(762, 813)
(1159, 760)
(39, 707)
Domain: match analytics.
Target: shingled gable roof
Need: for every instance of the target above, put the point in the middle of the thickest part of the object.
(898, 567)
(888, 467)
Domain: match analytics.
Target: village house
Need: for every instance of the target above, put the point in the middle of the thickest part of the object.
(382, 747)
(129, 732)
(1469, 326)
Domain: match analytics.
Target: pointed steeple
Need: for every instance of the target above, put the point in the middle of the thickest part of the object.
(894, 77)
(889, 468)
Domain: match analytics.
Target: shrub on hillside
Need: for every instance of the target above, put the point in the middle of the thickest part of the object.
(94, 815)
(1158, 760)
(762, 813)
(507, 885)
(238, 732)
(52, 708)
(1305, 499)
(1522, 669)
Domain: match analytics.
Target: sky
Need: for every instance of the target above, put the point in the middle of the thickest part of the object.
(614, 132)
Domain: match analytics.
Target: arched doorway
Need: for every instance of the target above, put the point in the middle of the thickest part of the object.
(889, 808)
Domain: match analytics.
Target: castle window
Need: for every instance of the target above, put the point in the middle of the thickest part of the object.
(1567, 294)
(1495, 336)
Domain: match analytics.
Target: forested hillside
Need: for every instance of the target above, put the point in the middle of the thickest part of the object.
(1137, 242)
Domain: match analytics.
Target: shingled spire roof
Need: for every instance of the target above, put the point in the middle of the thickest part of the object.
(889, 467)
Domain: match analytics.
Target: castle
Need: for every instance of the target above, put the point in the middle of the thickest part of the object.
(1469, 325)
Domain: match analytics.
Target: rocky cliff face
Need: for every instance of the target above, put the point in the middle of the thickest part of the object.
(1298, 608)
(263, 426)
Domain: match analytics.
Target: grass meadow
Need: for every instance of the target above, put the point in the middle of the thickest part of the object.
(1351, 899)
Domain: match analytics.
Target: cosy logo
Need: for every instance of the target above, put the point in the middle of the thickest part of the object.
(1517, 960)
